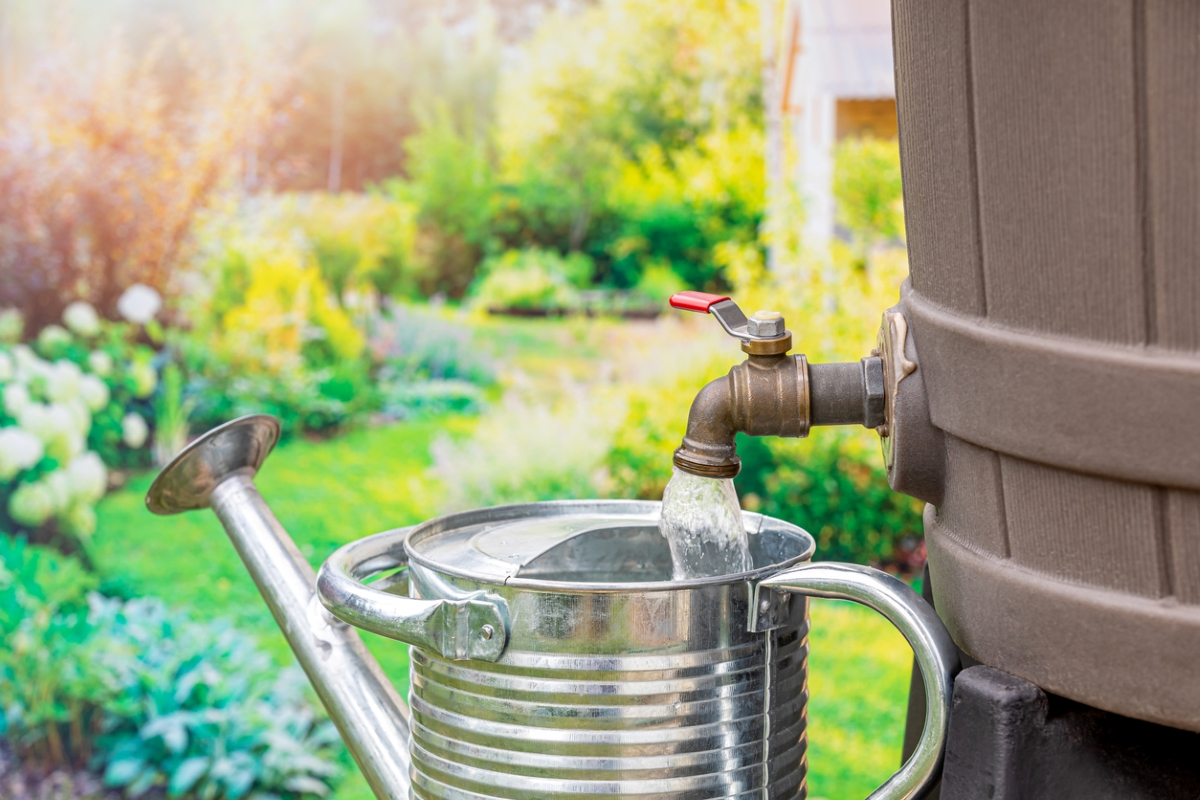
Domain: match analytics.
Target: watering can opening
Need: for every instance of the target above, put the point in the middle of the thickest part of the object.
(583, 545)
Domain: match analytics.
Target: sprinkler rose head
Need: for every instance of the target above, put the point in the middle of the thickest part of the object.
(188, 481)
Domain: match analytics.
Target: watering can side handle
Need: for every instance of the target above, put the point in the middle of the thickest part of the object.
(467, 626)
(935, 652)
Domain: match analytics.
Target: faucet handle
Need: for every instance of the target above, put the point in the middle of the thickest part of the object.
(763, 334)
(720, 306)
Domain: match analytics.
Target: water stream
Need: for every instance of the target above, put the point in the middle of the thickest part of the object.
(702, 522)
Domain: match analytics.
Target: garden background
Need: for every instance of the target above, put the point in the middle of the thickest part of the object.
(436, 239)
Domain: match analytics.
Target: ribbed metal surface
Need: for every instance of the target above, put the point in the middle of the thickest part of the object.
(701, 724)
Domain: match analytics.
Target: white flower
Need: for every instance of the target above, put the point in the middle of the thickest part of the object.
(81, 318)
(16, 397)
(100, 363)
(134, 430)
(58, 484)
(19, 450)
(144, 379)
(94, 392)
(11, 325)
(31, 504)
(89, 478)
(58, 426)
(62, 381)
(35, 418)
(8, 367)
(81, 414)
(25, 358)
(66, 446)
(79, 520)
(139, 304)
(52, 338)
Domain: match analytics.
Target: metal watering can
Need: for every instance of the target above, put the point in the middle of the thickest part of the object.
(552, 654)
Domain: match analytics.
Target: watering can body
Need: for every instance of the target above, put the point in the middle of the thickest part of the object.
(552, 655)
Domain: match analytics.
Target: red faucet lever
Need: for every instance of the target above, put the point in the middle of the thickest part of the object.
(695, 301)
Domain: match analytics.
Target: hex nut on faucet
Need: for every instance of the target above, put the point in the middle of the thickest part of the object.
(766, 325)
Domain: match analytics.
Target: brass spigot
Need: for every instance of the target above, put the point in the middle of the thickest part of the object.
(772, 393)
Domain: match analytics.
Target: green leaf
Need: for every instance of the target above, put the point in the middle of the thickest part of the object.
(143, 782)
(122, 771)
(306, 785)
(186, 774)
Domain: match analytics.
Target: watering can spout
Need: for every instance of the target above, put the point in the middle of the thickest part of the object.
(217, 471)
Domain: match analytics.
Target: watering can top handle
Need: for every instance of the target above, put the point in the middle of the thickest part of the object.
(466, 626)
(935, 652)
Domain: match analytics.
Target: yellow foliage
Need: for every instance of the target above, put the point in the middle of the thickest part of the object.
(271, 309)
(833, 307)
(722, 167)
(364, 243)
(695, 63)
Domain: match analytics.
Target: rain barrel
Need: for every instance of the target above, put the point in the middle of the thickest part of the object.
(1051, 166)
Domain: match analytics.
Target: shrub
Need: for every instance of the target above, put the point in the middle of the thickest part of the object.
(531, 279)
(364, 245)
(417, 343)
(149, 698)
(74, 402)
(48, 699)
(197, 708)
(870, 198)
(304, 400)
(426, 364)
(834, 486)
(269, 334)
(453, 186)
(524, 450)
(672, 208)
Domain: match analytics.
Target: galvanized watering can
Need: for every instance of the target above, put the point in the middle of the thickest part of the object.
(552, 654)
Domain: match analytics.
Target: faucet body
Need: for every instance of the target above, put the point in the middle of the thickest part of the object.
(772, 393)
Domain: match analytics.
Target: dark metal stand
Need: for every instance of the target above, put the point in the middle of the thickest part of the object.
(1009, 740)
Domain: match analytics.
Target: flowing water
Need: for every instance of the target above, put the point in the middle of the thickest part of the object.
(702, 522)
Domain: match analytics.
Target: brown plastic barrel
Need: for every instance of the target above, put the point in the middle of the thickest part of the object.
(1051, 163)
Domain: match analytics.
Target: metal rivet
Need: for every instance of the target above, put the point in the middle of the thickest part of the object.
(765, 606)
(488, 631)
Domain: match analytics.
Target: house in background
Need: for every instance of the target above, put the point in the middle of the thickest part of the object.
(835, 79)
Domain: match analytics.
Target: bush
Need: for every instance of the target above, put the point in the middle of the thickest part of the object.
(74, 402)
(426, 364)
(149, 698)
(834, 486)
(364, 245)
(524, 451)
(453, 186)
(197, 708)
(531, 279)
(273, 329)
(870, 198)
(48, 699)
(417, 343)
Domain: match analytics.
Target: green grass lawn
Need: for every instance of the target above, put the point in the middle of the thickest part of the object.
(330, 492)
(858, 672)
